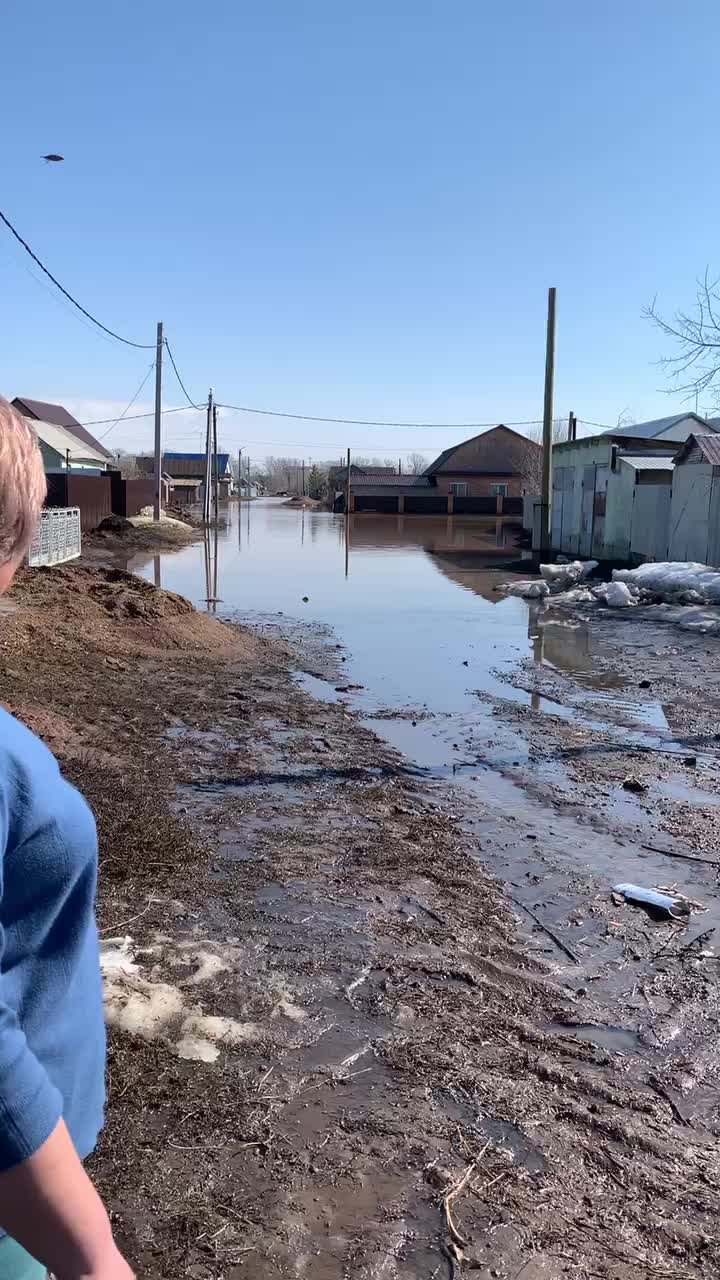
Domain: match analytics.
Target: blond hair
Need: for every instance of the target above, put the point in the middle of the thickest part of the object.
(22, 484)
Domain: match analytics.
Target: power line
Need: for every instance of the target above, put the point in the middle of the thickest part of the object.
(145, 346)
(603, 425)
(100, 422)
(365, 422)
(177, 375)
(137, 393)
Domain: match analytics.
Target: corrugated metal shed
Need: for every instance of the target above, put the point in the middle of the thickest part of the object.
(709, 447)
(652, 462)
(657, 427)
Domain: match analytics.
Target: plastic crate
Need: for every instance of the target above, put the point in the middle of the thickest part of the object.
(57, 537)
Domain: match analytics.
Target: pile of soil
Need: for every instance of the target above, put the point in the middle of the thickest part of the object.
(299, 501)
(116, 535)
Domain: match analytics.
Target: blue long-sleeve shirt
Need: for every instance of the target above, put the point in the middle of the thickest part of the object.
(52, 1035)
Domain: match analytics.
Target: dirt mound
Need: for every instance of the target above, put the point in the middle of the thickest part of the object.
(297, 501)
(117, 525)
(81, 608)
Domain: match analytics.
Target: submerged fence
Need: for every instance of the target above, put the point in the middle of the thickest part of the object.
(57, 537)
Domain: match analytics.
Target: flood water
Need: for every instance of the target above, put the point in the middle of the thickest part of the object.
(415, 604)
(432, 643)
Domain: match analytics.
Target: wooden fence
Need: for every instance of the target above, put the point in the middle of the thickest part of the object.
(99, 496)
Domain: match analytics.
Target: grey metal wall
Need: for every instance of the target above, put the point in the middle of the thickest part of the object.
(650, 521)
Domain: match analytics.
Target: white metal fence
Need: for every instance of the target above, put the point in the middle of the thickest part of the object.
(57, 537)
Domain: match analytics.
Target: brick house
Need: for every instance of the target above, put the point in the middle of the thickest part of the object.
(495, 464)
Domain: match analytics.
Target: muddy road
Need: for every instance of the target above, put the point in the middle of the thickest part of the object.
(374, 1010)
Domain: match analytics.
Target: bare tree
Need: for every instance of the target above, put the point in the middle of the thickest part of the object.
(126, 464)
(529, 455)
(696, 334)
(416, 463)
(625, 419)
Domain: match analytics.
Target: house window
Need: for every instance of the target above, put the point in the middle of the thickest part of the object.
(458, 489)
(498, 491)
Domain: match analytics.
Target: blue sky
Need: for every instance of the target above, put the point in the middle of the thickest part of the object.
(356, 209)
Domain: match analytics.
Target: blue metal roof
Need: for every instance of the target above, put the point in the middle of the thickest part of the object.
(223, 458)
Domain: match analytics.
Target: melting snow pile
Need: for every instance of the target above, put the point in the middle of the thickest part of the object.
(678, 592)
(560, 577)
(675, 581)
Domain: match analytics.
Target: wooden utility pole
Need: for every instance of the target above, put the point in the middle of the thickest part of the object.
(216, 478)
(239, 474)
(208, 465)
(303, 478)
(157, 503)
(545, 510)
(347, 487)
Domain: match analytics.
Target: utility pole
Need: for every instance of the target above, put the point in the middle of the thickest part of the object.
(399, 466)
(303, 478)
(216, 479)
(347, 487)
(572, 426)
(546, 525)
(208, 465)
(157, 504)
(239, 474)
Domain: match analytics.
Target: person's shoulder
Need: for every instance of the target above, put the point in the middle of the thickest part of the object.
(20, 749)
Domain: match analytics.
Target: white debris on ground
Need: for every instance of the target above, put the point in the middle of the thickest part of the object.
(161, 1010)
(527, 590)
(671, 592)
(562, 576)
(678, 581)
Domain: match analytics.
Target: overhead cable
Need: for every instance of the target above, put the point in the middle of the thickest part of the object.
(130, 405)
(367, 422)
(100, 422)
(182, 384)
(145, 346)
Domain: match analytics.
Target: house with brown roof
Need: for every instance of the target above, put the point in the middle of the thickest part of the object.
(57, 415)
(494, 464)
(485, 475)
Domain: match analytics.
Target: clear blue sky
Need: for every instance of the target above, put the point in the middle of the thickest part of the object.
(356, 209)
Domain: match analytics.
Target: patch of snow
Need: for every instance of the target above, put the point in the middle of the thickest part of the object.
(527, 590)
(675, 579)
(562, 576)
(158, 1011)
(619, 596)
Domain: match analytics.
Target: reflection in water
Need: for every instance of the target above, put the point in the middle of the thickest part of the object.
(419, 613)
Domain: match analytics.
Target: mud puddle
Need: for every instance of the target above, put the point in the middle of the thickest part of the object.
(616, 1039)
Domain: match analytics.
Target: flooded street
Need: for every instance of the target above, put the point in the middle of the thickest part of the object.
(470, 685)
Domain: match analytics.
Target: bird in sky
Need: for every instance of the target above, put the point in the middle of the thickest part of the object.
(52, 157)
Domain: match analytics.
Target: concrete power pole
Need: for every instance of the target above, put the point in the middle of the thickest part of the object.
(216, 478)
(208, 456)
(546, 518)
(157, 503)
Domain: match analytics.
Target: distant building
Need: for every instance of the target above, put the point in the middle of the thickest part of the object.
(186, 474)
(485, 475)
(498, 463)
(611, 492)
(58, 416)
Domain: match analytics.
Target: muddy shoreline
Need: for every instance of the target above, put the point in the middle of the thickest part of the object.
(327, 1013)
